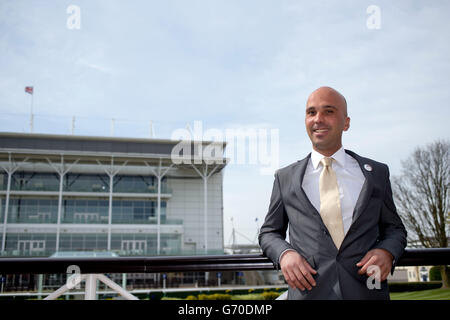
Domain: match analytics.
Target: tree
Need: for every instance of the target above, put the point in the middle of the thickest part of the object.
(422, 197)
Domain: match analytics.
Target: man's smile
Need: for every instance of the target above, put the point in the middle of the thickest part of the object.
(321, 130)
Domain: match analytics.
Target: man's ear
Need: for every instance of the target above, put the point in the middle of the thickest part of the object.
(347, 123)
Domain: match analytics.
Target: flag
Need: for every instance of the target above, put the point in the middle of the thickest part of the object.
(29, 90)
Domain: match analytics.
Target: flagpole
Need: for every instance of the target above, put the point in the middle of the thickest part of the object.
(31, 114)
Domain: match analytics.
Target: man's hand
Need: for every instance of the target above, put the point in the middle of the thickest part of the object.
(376, 257)
(297, 271)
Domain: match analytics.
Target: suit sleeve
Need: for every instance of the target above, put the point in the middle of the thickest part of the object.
(273, 231)
(392, 231)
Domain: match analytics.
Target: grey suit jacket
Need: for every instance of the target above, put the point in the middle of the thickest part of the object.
(375, 224)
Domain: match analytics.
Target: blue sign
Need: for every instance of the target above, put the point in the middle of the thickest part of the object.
(219, 274)
(164, 276)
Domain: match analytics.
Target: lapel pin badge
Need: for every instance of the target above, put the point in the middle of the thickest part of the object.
(368, 167)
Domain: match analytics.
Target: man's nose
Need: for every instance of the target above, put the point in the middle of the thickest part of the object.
(318, 118)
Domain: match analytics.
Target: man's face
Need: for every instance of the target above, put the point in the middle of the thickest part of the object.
(326, 119)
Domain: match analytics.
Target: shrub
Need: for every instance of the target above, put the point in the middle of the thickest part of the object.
(270, 295)
(248, 296)
(413, 286)
(435, 273)
(191, 297)
(215, 296)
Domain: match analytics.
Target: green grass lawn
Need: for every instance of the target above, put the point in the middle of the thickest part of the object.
(434, 294)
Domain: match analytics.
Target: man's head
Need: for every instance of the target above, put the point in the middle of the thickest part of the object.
(325, 120)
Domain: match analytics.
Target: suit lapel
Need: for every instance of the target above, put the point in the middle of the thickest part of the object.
(366, 190)
(364, 196)
(297, 184)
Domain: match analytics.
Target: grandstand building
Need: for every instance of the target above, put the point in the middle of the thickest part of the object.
(62, 193)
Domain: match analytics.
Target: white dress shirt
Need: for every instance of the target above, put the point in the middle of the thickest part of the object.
(350, 180)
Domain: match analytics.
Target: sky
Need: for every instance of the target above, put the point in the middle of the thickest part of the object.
(232, 64)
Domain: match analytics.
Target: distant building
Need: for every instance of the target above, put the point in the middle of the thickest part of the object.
(411, 274)
(81, 193)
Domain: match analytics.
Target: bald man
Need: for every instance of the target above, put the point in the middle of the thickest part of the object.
(344, 231)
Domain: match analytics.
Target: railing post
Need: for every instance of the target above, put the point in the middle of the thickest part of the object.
(40, 281)
(124, 281)
(91, 287)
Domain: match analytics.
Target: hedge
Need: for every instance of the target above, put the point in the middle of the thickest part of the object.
(413, 286)
(435, 273)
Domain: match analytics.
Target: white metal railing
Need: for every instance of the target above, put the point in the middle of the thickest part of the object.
(90, 287)
(94, 267)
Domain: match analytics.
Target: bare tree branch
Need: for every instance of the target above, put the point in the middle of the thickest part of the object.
(422, 195)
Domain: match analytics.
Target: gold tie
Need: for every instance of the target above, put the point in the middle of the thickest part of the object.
(330, 205)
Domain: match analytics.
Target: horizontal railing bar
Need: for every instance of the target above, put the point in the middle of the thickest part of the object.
(236, 262)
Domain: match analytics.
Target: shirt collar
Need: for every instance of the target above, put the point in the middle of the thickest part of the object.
(338, 156)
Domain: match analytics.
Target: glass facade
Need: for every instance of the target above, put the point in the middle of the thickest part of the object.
(44, 244)
(86, 182)
(137, 211)
(3, 180)
(138, 184)
(2, 208)
(83, 242)
(145, 244)
(41, 209)
(33, 181)
(98, 212)
(30, 244)
(85, 211)
(73, 182)
(32, 210)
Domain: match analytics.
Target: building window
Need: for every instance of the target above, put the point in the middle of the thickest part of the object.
(32, 210)
(137, 211)
(34, 181)
(135, 184)
(134, 247)
(83, 242)
(86, 182)
(31, 247)
(30, 244)
(85, 211)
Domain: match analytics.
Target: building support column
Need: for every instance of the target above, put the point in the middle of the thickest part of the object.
(159, 175)
(12, 167)
(205, 176)
(158, 212)
(61, 172)
(111, 173)
(5, 218)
